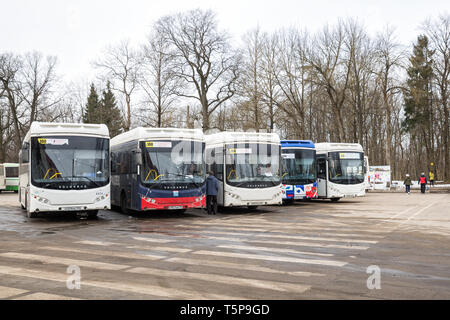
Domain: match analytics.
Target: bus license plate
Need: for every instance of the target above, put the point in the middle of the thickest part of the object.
(72, 208)
(175, 207)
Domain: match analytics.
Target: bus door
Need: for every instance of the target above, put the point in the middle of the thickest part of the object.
(321, 175)
(2, 177)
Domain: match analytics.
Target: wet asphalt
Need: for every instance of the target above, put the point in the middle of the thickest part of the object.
(306, 250)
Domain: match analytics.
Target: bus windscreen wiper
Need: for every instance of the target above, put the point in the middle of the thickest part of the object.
(91, 180)
(186, 176)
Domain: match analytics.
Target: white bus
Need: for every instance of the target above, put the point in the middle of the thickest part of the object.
(366, 173)
(340, 170)
(247, 166)
(158, 169)
(9, 177)
(65, 167)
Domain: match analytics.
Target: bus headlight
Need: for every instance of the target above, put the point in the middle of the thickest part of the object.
(41, 199)
(232, 195)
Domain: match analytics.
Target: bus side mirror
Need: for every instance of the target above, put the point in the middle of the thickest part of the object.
(137, 157)
(25, 155)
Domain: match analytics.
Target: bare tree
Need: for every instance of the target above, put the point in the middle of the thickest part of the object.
(389, 58)
(291, 77)
(438, 31)
(159, 81)
(250, 88)
(10, 66)
(326, 56)
(206, 61)
(121, 66)
(38, 77)
(269, 75)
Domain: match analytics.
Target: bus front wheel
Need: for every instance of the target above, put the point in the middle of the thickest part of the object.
(123, 203)
(335, 199)
(31, 214)
(92, 214)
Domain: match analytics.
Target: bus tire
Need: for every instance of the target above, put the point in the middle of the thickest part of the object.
(92, 214)
(31, 214)
(252, 207)
(16, 191)
(123, 203)
(335, 199)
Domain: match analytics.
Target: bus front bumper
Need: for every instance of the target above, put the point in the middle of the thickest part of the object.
(173, 203)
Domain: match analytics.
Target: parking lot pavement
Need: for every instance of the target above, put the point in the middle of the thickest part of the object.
(308, 250)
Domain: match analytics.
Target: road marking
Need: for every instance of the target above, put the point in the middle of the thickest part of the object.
(261, 284)
(151, 290)
(272, 258)
(273, 235)
(109, 253)
(153, 240)
(65, 261)
(252, 248)
(45, 296)
(278, 226)
(319, 238)
(419, 212)
(273, 232)
(215, 226)
(239, 266)
(6, 292)
(97, 243)
(291, 243)
(168, 249)
(396, 215)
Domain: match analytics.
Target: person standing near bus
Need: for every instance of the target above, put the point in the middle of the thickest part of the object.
(212, 188)
(407, 184)
(423, 182)
(431, 178)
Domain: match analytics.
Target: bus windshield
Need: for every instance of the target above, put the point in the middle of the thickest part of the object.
(251, 165)
(298, 166)
(69, 162)
(346, 167)
(173, 161)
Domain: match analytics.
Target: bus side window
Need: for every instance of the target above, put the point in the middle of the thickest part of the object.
(321, 168)
(113, 163)
(123, 163)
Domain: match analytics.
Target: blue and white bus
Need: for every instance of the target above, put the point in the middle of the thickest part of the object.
(158, 169)
(298, 170)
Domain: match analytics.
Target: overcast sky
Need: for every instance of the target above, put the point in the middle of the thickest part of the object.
(77, 31)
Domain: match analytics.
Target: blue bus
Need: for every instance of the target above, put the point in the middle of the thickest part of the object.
(299, 179)
(158, 169)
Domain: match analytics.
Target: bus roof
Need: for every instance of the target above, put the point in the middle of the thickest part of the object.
(142, 133)
(240, 137)
(57, 128)
(297, 144)
(337, 146)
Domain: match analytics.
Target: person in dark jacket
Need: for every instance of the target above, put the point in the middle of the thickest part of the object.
(423, 182)
(407, 184)
(212, 188)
